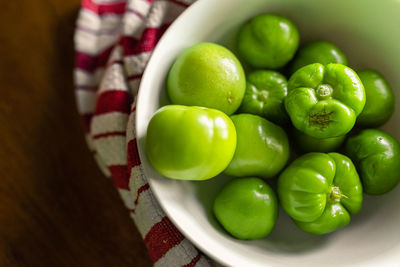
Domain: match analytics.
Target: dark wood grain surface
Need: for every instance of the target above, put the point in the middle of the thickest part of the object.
(56, 208)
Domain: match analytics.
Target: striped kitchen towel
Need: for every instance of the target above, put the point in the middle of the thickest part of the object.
(114, 40)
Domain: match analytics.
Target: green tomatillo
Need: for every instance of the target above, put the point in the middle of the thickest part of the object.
(306, 143)
(379, 105)
(317, 52)
(376, 155)
(190, 143)
(247, 208)
(262, 148)
(264, 95)
(319, 192)
(268, 41)
(324, 101)
(207, 75)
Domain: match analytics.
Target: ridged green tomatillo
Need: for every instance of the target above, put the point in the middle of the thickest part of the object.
(319, 192)
(324, 101)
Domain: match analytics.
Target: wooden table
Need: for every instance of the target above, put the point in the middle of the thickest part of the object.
(56, 208)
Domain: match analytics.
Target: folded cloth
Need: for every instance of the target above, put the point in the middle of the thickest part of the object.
(114, 40)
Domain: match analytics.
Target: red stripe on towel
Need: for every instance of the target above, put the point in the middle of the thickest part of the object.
(113, 101)
(161, 238)
(120, 176)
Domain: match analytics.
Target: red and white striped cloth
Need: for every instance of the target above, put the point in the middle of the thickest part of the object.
(114, 40)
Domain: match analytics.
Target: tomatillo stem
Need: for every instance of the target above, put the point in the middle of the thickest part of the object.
(324, 91)
(263, 96)
(335, 194)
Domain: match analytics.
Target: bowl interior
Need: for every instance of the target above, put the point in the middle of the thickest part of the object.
(368, 32)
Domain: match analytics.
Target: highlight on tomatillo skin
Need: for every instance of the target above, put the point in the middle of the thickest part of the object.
(324, 101)
(190, 143)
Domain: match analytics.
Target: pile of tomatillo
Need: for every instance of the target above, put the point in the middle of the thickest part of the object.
(225, 119)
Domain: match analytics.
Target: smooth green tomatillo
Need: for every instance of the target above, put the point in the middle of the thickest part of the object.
(207, 75)
(306, 143)
(320, 191)
(262, 147)
(317, 52)
(268, 41)
(190, 143)
(324, 101)
(379, 105)
(376, 155)
(264, 95)
(247, 208)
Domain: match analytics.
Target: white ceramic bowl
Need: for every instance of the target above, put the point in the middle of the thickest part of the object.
(369, 33)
